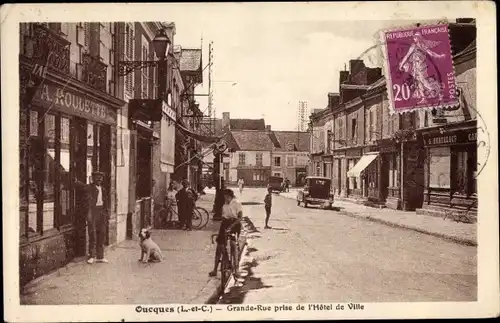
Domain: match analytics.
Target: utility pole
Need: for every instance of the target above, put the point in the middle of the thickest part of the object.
(210, 94)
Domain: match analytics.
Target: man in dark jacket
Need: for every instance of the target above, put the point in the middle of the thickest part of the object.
(97, 202)
(186, 201)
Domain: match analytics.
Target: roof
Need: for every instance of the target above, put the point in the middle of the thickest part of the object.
(247, 124)
(253, 140)
(299, 139)
(190, 59)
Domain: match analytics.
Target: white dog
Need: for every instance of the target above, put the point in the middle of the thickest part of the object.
(150, 251)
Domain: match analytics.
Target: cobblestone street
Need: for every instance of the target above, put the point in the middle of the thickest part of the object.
(347, 259)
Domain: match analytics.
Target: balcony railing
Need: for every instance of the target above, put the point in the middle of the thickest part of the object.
(94, 72)
(48, 48)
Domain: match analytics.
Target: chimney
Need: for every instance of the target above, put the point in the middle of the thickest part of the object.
(356, 66)
(226, 124)
(344, 77)
(373, 75)
(333, 99)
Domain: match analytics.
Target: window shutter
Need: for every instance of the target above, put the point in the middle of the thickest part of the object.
(129, 56)
(86, 35)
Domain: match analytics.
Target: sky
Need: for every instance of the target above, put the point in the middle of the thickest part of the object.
(264, 63)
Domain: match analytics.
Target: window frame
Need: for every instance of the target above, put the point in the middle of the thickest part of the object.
(40, 173)
(241, 159)
(275, 159)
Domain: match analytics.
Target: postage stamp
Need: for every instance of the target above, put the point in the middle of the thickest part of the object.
(419, 68)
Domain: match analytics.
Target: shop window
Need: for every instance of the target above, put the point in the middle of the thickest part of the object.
(393, 171)
(439, 167)
(465, 166)
(64, 183)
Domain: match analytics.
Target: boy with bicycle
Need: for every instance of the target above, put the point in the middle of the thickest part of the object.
(232, 213)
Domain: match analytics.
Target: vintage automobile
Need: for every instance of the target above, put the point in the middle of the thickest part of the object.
(316, 191)
(276, 183)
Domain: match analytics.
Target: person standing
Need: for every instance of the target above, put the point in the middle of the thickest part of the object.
(287, 183)
(170, 204)
(268, 202)
(97, 203)
(241, 182)
(186, 199)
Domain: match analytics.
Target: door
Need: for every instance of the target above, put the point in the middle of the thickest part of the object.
(384, 173)
(78, 139)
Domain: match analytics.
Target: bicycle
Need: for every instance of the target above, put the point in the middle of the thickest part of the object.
(199, 220)
(229, 262)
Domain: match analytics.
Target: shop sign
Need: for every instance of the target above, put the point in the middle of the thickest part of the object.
(468, 136)
(354, 153)
(53, 96)
(167, 110)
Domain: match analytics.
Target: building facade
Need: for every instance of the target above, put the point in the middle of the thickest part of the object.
(290, 155)
(68, 126)
(452, 140)
(423, 160)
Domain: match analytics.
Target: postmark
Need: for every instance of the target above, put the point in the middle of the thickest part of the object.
(419, 69)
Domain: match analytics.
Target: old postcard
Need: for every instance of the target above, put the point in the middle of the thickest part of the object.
(249, 161)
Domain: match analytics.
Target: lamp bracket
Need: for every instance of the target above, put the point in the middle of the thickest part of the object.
(127, 67)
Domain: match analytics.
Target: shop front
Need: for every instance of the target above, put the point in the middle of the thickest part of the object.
(67, 131)
(450, 169)
(389, 173)
(355, 166)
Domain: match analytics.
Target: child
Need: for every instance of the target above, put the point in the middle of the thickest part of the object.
(268, 201)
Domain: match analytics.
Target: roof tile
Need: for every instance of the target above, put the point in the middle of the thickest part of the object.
(253, 140)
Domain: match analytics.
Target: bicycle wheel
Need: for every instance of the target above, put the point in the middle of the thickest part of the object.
(197, 219)
(225, 271)
(204, 215)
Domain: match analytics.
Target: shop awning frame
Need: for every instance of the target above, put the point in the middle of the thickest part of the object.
(196, 136)
(362, 164)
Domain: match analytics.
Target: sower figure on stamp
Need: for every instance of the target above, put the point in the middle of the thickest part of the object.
(97, 202)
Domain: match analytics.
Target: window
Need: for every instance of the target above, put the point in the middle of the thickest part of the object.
(370, 125)
(290, 161)
(258, 159)
(465, 169)
(426, 118)
(354, 130)
(241, 159)
(439, 167)
(257, 177)
(45, 165)
(393, 171)
(277, 174)
(277, 161)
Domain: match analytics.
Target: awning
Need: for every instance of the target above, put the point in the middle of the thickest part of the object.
(208, 139)
(365, 160)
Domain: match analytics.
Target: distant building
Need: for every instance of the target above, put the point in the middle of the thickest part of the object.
(290, 155)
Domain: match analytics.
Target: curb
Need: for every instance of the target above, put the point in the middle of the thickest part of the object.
(455, 239)
(458, 240)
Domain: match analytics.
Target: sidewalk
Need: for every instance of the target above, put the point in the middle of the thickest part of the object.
(463, 233)
(181, 278)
